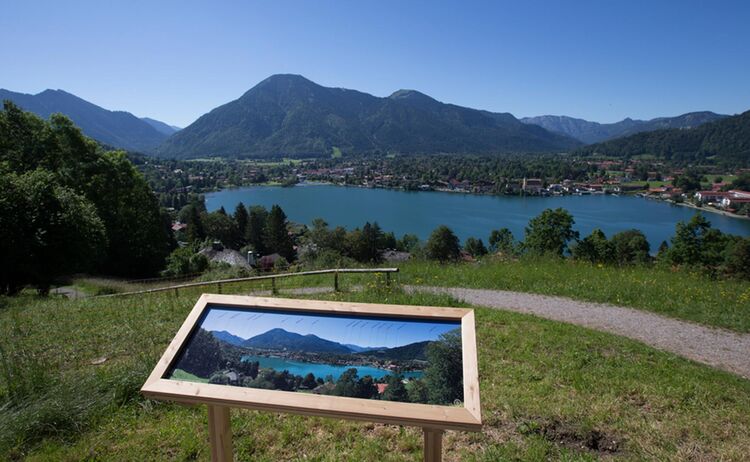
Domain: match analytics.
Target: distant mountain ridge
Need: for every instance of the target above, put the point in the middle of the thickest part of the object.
(281, 339)
(594, 132)
(290, 115)
(118, 129)
(726, 141)
(161, 126)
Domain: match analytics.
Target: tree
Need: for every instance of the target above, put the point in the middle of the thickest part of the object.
(444, 373)
(309, 381)
(277, 237)
(738, 258)
(594, 248)
(442, 245)
(203, 355)
(221, 227)
(364, 244)
(184, 261)
(695, 243)
(241, 218)
(550, 232)
(502, 241)
(46, 231)
(475, 247)
(396, 391)
(195, 230)
(256, 228)
(630, 246)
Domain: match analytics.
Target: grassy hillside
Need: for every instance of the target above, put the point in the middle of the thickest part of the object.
(549, 391)
(678, 294)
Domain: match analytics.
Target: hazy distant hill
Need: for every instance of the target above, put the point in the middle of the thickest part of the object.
(225, 336)
(290, 115)
(725, 141)
(161, 126)
(594, 132)
(114, 128)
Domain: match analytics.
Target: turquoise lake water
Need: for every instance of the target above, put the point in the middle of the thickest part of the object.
(466, 214)
(320, 370)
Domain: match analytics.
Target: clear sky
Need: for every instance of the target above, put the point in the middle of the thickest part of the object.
(602, 60)
(361, 331)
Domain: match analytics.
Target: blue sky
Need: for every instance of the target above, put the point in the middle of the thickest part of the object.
(360, 331)
(599, 60)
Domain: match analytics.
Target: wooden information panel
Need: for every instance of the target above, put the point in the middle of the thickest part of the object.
(394, 364)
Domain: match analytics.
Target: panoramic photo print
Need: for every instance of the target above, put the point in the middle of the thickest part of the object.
(393, 359)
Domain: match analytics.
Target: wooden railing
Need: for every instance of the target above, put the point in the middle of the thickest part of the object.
(220, 283)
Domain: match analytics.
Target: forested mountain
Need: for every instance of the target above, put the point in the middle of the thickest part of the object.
(114, 128)
(594, 132)
(417, 350)
(726, 141)
(161, 126)
(290, 115)
(225, 336)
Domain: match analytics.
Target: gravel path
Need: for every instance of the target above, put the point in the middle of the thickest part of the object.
(720, 348)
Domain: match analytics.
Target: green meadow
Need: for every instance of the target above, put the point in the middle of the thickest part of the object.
(72, 370)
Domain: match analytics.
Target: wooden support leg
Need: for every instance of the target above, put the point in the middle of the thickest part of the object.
(433, 445)
(220, 432)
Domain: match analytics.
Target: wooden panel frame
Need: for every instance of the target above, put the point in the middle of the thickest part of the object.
(467, 417)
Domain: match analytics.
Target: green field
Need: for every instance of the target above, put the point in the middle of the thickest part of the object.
(549, 390)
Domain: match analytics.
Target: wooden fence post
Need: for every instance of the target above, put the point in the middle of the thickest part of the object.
(274, 290)
(175, 292)
(220, 433)
(336, 281)
(433, 445)
(387, 279)
(218, 286)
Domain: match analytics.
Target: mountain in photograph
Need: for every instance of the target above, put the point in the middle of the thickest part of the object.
(280, 339)
(118, 129)
(594, 132)
(225, 336)
(724, 141)
(161, 126)
(288, 115)
(416, 350)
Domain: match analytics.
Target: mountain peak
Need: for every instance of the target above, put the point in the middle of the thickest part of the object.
(413, 95)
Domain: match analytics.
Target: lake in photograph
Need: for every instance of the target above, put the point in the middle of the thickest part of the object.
(466, 214)
(321, 370)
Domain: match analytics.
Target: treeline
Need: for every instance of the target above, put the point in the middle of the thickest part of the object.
(695, 245)
(220, 363)
(68, 206)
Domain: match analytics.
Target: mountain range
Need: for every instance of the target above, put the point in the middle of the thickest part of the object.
(594, 132)
(280, 339)
(288, 115)
(114, 128)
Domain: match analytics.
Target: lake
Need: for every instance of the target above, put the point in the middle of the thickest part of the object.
(320, 370)
(466, 214)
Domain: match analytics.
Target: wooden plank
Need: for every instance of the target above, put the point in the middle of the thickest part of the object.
(471, 371)
(253, 278)
(433, 445)
(220, 433)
